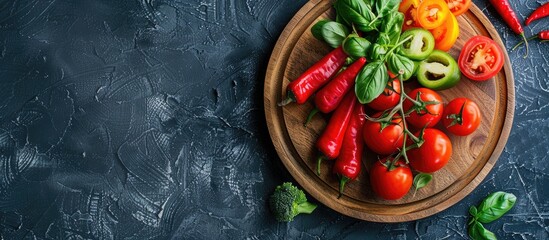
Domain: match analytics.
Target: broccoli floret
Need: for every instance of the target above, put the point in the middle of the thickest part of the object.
(288, 201)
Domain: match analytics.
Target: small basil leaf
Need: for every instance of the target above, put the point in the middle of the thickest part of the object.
(316, 30)
(377, 52)
(473, 211)
(478, 232)
(334, 33)
(494, 206)
(397, 62)
(383, 39)
(371, 81)
(357, 13)
(385, 7)
(421, 180)
(394, 27)
(356, 46)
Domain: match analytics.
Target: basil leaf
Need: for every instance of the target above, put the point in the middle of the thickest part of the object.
(334, 33)
(383, 39)
(478, 232)
(392, 26)
(385, 7)
(357, 13)
(397, 62)
(316, 30)
(421, 180)
(473, 211)
(494, 206)
(377, 52)
(371, 81)
(356, 46)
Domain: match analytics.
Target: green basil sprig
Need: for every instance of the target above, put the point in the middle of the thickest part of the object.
(398, 62)
(334, 33)
(421, 180)
(494, 206)
(385, 7)
(357, 13)
(490, 209)
(478, 232)
(371, 81)
(316, 30)
(356, 46)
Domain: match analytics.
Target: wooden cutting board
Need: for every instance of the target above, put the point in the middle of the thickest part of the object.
(473, 156)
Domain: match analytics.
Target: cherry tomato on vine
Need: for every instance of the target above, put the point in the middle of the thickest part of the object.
(428, 109)
(458, 7)
(433, 154)
(480, 59)
(432, 13)
(461, 116)
(409, 9)
(446, 34)
(383, 138)
(390, 183)
(388, 98)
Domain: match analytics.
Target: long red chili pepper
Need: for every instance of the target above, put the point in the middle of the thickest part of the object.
(315, 77)
(506, 12)
(330, 96)
(349, 162)
(329, 143)
(541, 12)
(543, 35)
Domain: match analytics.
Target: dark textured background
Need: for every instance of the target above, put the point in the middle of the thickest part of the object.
(143, 119)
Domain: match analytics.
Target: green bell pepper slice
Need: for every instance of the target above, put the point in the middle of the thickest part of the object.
(439, 71)
(419, 46)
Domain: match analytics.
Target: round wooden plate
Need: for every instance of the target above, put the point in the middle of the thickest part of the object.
(473, 156)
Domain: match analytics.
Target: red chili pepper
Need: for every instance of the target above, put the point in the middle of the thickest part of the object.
(543, 35)
(506, 12)
(330, 96)
(329, 143)
(541, 12)
(315, 77)
(348, 165)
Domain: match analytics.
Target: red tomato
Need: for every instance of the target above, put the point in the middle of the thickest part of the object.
(461, 116)
(409, 9)
(458, 7)
(428, 112)
(480, 59)
(391, 184)
(433, 154)
(388, 98)
(446, 34)
(432, 13)
(383, 138)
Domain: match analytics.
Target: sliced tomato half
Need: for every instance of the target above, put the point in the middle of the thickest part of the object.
(480, 59)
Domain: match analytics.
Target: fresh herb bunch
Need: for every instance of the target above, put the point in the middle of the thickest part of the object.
(490, 209)
(376, 27)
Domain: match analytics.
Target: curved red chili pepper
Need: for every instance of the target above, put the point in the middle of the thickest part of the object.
(506, 12)
(330, 96)
(541, 12)
(349, 163)
(329, 143)
(315, 77)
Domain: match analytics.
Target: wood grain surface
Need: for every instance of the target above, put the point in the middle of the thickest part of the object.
(473, 156)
